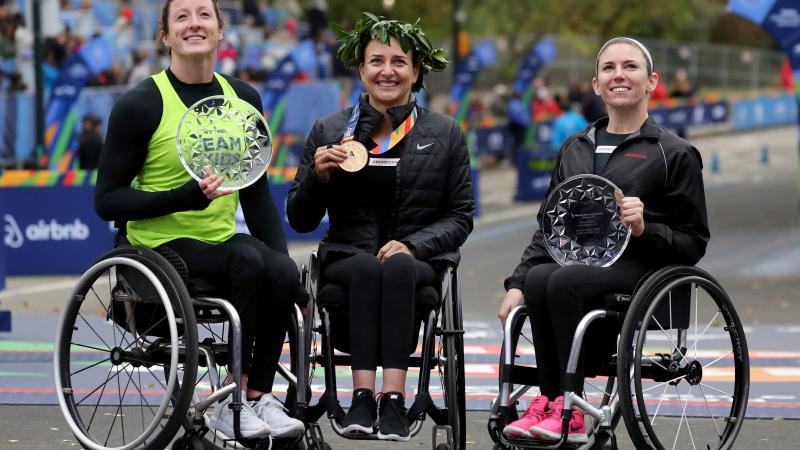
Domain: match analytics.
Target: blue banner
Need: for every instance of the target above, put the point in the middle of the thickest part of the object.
(60, 118)
(781, 18)
(542, 53)
(482, 55)
(685, 116)
(764, 112)
(302, 58)
(53, 230)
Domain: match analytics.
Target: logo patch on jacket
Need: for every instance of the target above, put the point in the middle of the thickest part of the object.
(635, 155)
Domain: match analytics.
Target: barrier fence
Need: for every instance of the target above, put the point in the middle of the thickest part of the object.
(50, 226)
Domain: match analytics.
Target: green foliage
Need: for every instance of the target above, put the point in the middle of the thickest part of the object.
(369, 27)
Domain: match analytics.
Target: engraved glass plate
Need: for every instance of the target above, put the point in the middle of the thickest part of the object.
(582, 222)
(225, 136)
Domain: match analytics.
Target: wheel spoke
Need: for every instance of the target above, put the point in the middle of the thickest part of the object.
(145, 333)
(108, 378)
(660, 402)
(663, 383)
(94, 331)
(669, 337)
(708, 325)
(710, 412)
(718, 390)
(90, 347)
(650, 358)
(719, 358)
(89, 367)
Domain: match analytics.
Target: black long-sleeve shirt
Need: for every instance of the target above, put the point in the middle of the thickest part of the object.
(134, 119)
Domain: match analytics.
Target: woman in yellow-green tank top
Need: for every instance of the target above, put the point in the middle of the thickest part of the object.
(143, 187)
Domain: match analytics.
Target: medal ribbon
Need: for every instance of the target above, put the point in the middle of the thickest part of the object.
(394, 137)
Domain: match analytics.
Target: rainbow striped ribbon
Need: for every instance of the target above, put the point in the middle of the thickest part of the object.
(397, 135)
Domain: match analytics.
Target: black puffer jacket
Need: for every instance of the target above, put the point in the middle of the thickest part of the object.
(433, 202)
(660, 168)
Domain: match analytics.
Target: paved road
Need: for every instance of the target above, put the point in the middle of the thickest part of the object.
(755, 253)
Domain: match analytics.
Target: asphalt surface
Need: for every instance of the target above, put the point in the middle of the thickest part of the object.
(754, 253)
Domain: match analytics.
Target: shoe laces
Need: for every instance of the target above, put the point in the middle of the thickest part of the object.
(395, 404)
(534, 413)
(266, 402)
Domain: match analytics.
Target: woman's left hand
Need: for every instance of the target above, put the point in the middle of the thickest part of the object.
(210, 187)
(391, 248)
(633, 214)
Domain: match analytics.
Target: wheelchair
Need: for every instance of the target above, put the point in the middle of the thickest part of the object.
(679, 378)
(326, 343)
(142, 351)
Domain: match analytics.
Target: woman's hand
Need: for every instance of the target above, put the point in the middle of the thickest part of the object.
(391, 248)
(210, 187)
(632, 213)
(512, 299)
(327, 159)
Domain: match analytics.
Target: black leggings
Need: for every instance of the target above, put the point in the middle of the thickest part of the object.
(557, 299)
(262, 284)
(381, 305)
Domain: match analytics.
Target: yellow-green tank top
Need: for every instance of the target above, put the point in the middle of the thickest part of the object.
(163, 171)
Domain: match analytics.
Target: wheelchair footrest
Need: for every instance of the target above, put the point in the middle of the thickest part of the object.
(447, 430)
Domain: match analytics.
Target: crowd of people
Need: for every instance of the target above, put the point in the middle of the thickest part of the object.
(259, 34)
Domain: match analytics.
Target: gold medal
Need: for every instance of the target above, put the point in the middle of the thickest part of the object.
(357, 156)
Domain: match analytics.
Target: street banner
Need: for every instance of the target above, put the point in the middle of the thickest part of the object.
(540, 54)
(482, 55)
(60, 117)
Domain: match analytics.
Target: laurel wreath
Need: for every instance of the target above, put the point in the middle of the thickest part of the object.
(410, 36)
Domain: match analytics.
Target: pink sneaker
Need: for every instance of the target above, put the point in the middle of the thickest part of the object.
(550, 428)
(537, 412)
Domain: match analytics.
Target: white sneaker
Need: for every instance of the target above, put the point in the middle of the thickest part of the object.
(250, 425)
(271, 411)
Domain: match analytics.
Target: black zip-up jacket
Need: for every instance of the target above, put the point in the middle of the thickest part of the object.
(433, 203)
(657, 166)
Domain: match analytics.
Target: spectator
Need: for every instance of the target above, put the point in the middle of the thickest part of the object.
(787, 78)
(682, 87)
(90, 142)
(141, 68)
(566, 125)
(660, 93)
(592, 105)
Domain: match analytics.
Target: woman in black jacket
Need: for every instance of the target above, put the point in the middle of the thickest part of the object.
(391, 220)
(660, 175)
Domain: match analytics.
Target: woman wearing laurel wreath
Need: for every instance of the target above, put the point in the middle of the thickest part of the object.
(195, 218)
(395, 181)
(660, 175)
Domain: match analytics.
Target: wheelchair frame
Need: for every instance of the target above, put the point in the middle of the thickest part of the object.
(449, 420)
(662, 290)
(183, 314)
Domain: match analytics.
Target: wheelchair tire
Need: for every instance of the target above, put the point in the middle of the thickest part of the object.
(454, 381)
(127, 323)
(652, 356)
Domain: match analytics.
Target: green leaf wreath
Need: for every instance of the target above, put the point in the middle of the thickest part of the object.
(370, 26)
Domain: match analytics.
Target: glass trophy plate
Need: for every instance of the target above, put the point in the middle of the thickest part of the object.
(224, 136)
(582, 222)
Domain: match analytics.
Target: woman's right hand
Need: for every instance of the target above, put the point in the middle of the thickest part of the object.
(327, 159)
(512, 299)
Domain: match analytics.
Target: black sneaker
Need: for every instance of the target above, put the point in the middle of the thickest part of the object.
(361, 415)
(392, 423)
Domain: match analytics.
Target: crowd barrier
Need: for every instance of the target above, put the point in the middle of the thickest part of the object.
(50, 226)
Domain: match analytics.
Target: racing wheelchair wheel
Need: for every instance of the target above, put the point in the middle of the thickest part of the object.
(452, 345)
(125, 357)
(683, 366)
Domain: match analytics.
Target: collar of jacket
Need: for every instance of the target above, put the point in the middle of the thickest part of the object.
(371, 117)
(648, 130)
